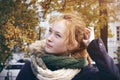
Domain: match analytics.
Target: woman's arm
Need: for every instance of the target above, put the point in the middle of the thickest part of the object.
(107, 69)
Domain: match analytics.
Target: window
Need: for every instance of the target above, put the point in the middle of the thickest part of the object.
(118, 33)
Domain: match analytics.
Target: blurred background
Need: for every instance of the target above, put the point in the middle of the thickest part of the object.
(24, 21)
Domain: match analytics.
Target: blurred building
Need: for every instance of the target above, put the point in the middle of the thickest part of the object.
(114, 42)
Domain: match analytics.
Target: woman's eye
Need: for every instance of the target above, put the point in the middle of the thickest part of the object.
(50, 31)
(58, 35)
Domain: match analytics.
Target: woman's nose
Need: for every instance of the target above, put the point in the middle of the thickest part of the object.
(50, 38)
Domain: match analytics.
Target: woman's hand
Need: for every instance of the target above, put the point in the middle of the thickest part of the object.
(87, 36)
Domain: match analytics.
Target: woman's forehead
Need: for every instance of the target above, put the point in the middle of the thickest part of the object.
(59, 26)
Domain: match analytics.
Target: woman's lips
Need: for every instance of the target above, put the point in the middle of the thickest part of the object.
(48, 45)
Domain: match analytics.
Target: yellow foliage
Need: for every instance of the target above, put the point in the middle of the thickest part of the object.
(18, 36)
(91, 10)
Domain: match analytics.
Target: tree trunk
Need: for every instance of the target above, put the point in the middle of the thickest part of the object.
(104, 27)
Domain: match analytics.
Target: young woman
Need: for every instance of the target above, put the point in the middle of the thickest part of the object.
(67, 52)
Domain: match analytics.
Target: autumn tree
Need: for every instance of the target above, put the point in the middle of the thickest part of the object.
(103, 20)
(3, 49)
(18, 22)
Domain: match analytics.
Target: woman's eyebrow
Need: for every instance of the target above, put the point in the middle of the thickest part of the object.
(50, 28)
(59, 33)
(56, 31)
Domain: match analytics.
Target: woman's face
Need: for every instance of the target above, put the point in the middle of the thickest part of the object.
(55, 39)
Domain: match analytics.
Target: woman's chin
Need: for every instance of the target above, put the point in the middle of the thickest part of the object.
(48, 50)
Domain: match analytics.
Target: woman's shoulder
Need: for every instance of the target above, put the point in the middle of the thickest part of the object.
(90, 68)
(26, 72)
(87, 73)
(27, 64)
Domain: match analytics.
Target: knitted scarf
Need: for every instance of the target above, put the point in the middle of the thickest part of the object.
(51, 67)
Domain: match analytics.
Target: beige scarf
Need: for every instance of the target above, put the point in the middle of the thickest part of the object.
(41, 66)
(44, 73)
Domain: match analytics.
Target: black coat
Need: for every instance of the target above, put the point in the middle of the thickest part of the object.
(104, 69)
